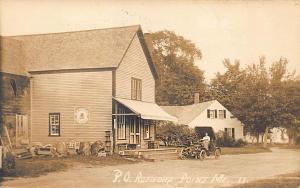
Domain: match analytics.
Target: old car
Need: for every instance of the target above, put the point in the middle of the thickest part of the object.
(198, 150)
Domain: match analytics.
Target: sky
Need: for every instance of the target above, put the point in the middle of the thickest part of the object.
(244, 30)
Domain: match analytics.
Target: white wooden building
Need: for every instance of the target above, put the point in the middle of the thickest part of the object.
(208, 114)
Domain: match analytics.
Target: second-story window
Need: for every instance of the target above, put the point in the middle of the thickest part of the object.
(136, 89)
(222, 114)
(212, 114)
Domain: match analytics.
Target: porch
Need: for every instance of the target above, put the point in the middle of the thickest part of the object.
(134, 124)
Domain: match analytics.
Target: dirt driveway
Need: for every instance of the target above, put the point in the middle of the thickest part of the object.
(227, 170)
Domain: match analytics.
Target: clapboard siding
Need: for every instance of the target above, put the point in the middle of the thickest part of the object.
(134, 64)
(63, 92)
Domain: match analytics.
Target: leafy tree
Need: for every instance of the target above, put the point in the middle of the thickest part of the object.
(261, 99)
(226, 87)
(286, 91)
(179, 78)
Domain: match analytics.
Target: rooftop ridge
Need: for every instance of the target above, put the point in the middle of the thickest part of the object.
(187, 113)
(189, 104)
(202, 103)
(78, 31)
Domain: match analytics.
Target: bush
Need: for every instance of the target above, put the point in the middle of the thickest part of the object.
(240, 143)
(224, 140)
(175, 135)
(9, 164)
(297, 140)
(9, 161)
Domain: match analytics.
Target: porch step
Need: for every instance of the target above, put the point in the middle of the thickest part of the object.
(149, 151)
(154, 154)
(162, 156)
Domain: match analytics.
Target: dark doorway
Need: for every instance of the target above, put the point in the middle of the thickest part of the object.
(200, 131)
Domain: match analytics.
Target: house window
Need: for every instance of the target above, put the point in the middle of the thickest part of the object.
(121, 124)
(212, 114)
(146, 130)
(136, 89)
(54, 124)
(13, 85)
(121, 127)
(222, 114)
(230, 132)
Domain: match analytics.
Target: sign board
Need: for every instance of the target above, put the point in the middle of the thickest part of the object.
(81, 115)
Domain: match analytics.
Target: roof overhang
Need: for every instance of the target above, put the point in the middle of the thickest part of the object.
(146, 110)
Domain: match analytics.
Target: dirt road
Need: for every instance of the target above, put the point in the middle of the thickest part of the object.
(229, 169)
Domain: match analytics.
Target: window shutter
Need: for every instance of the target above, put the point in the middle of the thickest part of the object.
(233, 136)
(225, 114)
(208, 113)
(132, 88)
(139, 92)
(216, 113)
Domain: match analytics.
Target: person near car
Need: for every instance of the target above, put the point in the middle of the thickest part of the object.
(206, 140)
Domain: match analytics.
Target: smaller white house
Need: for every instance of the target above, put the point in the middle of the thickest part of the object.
(208, 114)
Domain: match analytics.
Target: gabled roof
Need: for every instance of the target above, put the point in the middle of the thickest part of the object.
(188, 113)
(99, 48)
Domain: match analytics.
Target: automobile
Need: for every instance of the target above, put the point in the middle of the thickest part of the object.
(198, 150)
(190, 152)
(212, 151)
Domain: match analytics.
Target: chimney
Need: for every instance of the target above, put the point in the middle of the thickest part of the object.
(196, 98)
(149, 42)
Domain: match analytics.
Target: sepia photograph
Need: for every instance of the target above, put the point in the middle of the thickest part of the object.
(161, 93)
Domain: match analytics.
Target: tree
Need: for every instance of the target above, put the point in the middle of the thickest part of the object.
(286, 92)
(226, 87)
(261, 99)
(179, 78)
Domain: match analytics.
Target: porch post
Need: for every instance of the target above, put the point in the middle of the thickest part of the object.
(114, 124)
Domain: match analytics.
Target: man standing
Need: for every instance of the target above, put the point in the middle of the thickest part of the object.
(206, 140)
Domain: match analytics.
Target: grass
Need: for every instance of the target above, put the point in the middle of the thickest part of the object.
(282, 181)
(244, 150)
(42, 165)
(35, 167)
(285, 146)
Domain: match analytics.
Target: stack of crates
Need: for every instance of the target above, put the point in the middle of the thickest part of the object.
(107, 142)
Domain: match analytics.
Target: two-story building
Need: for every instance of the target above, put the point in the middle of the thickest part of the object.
(206, 115)
(83, 86)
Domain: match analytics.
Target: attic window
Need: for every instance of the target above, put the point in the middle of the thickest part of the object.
(222, 114)
(212, 114)
(13, 85)
(136, 89)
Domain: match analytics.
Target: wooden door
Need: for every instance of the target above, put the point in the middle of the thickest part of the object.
(134, 130)
(22, 129)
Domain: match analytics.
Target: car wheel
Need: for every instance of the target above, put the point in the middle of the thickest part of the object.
(183, 154)
(202, 155)
(217, 153)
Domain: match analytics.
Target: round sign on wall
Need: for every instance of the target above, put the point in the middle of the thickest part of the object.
(81, 115)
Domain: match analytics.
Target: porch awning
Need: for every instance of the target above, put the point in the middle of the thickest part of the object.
(146, 110)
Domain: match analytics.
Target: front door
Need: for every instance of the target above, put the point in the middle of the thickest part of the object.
(22, 136)
(134, 128)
